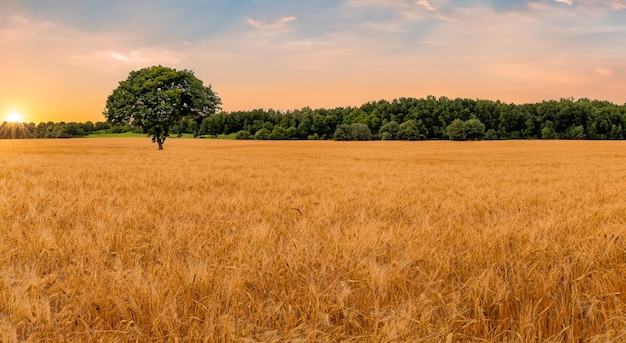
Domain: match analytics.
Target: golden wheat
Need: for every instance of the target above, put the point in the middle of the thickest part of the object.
(112, 240)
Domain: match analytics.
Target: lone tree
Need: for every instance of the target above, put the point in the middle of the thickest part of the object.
(155, 98)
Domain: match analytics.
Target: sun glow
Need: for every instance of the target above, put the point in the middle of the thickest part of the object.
(14, 127)
(15, 117)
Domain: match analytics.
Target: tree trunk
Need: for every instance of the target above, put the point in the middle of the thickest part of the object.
(159, 140)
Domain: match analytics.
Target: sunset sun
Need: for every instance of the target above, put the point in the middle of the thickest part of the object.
(14, 117)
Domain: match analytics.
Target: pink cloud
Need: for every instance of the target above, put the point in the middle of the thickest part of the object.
(618, 5)
(604, 71)
(263, 26)
(425, 4)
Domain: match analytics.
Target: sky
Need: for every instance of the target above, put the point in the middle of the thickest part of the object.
(61, 59)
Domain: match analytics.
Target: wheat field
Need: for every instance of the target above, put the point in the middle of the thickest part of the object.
(111, 240)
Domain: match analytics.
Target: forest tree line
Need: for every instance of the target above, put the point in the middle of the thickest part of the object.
(400, 119)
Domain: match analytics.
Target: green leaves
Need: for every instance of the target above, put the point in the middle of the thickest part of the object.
(471, 129)
(156, 98)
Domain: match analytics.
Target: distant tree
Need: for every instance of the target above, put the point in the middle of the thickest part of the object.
(268, 126)
(548, 132)
(491, 134)
(211, 125)
(278, 133)
(361, 132)
(291, 133)
(305, 126)
(575, 132)
(193, 128)
(59, 130)
(460, 130)
(456, 130)
(153, 99)
(88, 127)
(343, 133)
(617, 132)
(40, 130)
(15, 130)
(101, 125)
(262, 134)
(243, 134)
(318, 124)
(389, 130)
(412, 130)
(74, 130)
(474, 129)
(386, 136)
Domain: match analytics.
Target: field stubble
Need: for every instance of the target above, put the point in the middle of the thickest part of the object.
(112, 240)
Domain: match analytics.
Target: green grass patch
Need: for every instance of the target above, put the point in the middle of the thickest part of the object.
(111, 135)
(221, 136)
(185, 135)
(228, 136)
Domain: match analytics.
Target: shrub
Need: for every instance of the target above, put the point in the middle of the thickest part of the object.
(343, 133)
(412, 130)
(456, 130)
(460, 130)
(262, 134)
(474, 129)
(548, 132)
(361, 132)
(491, 134)
(389, 130)
(386, 136)
(575, 132)
(291, 133)
(278, 133)
(243, 134)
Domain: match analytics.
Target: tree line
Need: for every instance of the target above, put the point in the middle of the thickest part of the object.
(400, 119)
(428, 118)
(56, 130)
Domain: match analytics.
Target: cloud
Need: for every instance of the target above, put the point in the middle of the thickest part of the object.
(413, 11)
(618, 5)
(140, 57)
(381, 3)
(399, 5)
(603, 71)
(263, 26)
(425, 4)
(568, 2)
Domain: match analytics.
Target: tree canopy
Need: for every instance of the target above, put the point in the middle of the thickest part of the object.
(154, 99)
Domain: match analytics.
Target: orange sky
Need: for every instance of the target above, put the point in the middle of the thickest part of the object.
(59, 63)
